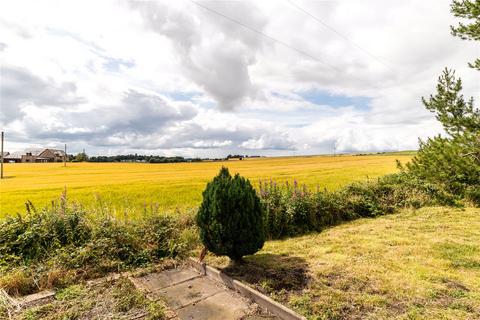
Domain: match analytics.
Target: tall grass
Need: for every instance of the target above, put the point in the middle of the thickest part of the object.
(45, 247)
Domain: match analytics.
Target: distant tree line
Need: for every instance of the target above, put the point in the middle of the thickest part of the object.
(137, 158)
(83, 157)
(240, 156)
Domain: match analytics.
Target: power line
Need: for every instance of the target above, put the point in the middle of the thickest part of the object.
(267, 36)
(338, 33)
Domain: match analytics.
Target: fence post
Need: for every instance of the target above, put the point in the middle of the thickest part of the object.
(1, 165)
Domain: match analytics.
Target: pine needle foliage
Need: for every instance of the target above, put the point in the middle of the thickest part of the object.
(230, 217)
(469, 29)
(453, 161)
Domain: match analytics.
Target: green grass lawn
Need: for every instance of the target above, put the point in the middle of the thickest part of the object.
(422, 264)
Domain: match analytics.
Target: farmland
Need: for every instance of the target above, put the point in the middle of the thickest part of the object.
(130, 188)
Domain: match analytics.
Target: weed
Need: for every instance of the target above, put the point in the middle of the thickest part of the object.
(156, 311)
(70, 293)
(127, 297)
(18, 282)
(56, 246)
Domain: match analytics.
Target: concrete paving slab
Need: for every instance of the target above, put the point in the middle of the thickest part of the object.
(35, 299)
(188, 292)
(221, 306)
(260, 317)
(155, 281)
(191, 295)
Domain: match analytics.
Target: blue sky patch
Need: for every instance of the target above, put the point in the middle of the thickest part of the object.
(182, 95)
(336, 101)
(114, 64)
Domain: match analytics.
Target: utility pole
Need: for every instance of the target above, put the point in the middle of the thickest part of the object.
(65, 156)
(1, 165)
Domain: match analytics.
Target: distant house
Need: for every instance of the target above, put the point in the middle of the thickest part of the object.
(52, 155)
(36, 155)
(32, 155)
(12, 157)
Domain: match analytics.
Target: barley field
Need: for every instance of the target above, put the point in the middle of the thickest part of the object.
(131, 188)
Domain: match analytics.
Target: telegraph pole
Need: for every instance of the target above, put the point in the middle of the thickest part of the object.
(1, 165)
(65, 156)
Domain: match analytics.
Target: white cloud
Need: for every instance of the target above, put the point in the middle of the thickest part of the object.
(174, 78)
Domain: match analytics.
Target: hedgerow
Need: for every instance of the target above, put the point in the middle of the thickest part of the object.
(290, 209)
(42, 248)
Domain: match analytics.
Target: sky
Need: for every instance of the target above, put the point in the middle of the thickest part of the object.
(211, 78)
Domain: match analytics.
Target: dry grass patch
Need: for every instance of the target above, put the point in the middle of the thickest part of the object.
(117, 300)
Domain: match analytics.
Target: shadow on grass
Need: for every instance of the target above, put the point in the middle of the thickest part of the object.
(271, 272)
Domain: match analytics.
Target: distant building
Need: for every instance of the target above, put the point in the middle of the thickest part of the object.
(13, 157)
(35, 155)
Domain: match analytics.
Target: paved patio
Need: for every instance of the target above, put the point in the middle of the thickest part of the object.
(192, 296)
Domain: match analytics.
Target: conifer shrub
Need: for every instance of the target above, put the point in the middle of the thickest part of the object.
(230, 217)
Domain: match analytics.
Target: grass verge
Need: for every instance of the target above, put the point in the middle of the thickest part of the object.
(418, 264)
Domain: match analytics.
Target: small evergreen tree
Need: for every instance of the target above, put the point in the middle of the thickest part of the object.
(452, 162)
(230, 217)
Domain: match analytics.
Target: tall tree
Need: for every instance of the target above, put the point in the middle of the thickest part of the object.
(456, 115)
(453, 162)
(470, 11)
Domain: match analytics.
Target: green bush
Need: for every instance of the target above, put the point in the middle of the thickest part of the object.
(68, 237)
(473, 194)
(37, 234)
(293, 210)
(230, 217)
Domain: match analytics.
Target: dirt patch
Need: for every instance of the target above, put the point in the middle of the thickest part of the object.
(452, 284)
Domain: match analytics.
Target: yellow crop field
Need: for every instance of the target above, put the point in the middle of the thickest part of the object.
(128, 188)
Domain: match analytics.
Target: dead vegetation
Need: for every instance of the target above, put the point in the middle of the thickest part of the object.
(109, 300)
